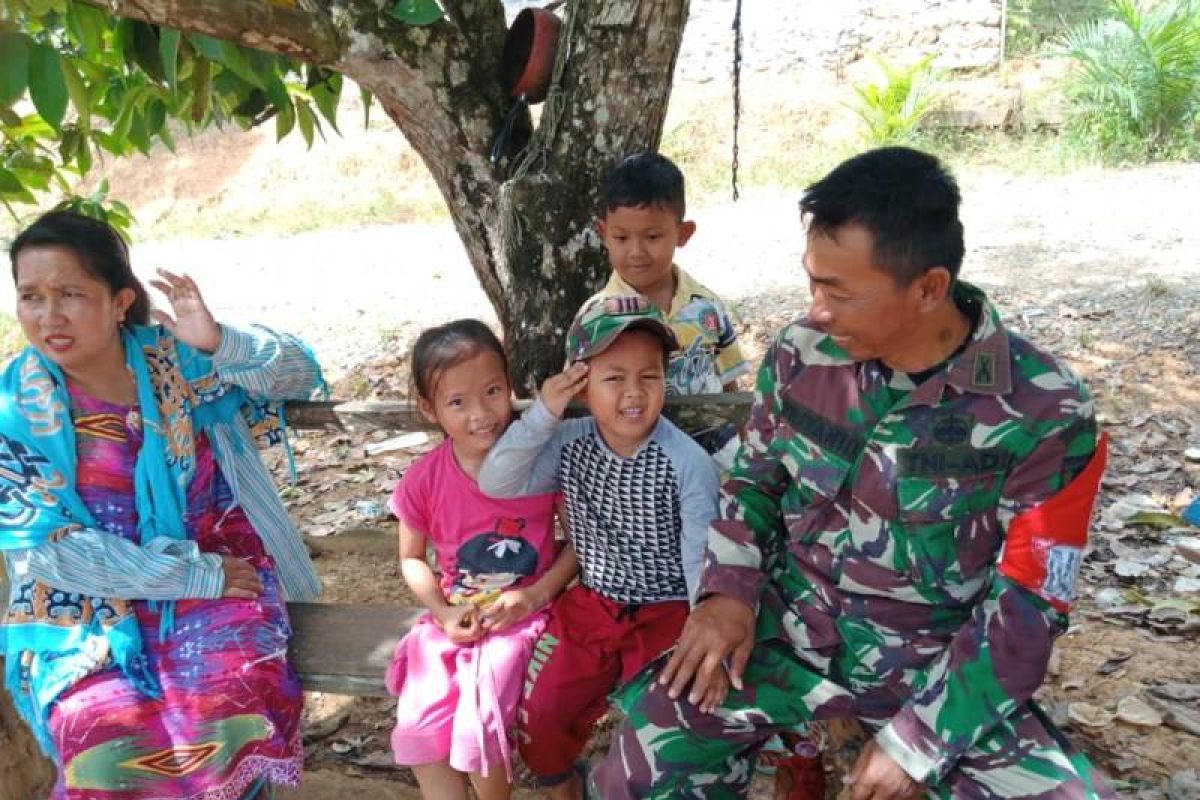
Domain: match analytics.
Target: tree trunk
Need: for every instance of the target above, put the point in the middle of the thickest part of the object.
(526, 222)
(24, 772)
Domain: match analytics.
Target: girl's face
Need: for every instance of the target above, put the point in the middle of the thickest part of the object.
(471, 404)
(71, 316)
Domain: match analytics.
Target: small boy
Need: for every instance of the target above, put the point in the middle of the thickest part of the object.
(642, 221)
(639, 495)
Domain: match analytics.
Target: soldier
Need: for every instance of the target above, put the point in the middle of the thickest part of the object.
(899, 537)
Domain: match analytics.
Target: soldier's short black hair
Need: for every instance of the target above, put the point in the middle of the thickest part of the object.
(908, 201)
(644, 179)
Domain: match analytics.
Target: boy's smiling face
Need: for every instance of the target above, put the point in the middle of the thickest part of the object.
(626, 388)
(641, 242)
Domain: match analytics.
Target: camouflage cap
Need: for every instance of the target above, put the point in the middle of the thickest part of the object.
(603, 319)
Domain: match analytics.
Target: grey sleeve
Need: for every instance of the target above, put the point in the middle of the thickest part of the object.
(699, 484)
(526, 459)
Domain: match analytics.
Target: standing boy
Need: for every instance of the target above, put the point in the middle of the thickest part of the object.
(643, 220)
(639, 494)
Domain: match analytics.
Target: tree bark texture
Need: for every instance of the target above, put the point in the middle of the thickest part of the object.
(525, 221)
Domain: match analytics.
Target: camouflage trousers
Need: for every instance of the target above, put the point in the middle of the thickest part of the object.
(667, 749)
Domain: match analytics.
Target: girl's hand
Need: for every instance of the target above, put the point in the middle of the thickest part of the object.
(193, 323)
(557, 390)
(461, 624)
(510, 608)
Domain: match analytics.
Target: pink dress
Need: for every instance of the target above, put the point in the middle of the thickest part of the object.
(457, 703)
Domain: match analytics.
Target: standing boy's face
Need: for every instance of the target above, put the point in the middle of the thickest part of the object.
(626, 388)
(641, 242)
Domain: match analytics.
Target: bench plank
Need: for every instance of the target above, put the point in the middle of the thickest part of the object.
(692, 413)
(345, 649)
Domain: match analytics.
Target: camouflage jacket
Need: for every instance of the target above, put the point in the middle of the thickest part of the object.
(866, 519)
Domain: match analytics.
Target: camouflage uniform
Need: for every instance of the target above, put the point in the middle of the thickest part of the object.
(865, 520)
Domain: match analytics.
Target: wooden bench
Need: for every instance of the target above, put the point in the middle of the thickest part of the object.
(693, 413)
(345, 649)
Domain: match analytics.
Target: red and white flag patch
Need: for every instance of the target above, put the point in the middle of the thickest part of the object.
(1044, 546)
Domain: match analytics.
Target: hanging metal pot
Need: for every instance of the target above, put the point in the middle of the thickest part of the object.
(527, 62)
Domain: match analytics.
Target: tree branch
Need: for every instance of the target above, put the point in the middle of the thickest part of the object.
(302, 29)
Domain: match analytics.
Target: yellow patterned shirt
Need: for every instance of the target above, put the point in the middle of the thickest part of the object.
(709, 355)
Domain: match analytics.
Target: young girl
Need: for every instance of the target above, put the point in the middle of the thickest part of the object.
(459, 672)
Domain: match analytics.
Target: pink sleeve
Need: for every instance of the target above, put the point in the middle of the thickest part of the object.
(410, 498)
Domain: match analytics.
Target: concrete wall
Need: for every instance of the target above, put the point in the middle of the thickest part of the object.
(784, 35)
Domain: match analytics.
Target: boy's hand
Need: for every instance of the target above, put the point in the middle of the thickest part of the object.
(460, 623)
(558, 389)
(509, 609)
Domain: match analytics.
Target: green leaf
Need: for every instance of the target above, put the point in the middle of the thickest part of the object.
(168, 49)
(206, 46)
(14, 66)
(201, 88)
(146, 51)
(156, 116)
(139, 133)
(285, 120)
(47, 87)
(78, 92)
(11, 188)
(326, 94)
(417, 12)
(87, 24)
(367, 100)
(1156, 519)
(84, 158)
(234, 59)
(167, 138)
(307, 121)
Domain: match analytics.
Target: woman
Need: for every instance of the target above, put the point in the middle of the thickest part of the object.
(146, 636)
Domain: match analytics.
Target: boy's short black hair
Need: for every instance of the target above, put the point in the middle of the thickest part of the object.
(644, 179)
(908, 201)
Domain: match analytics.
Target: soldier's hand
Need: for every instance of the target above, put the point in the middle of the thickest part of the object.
(877, 776)
(715, 644)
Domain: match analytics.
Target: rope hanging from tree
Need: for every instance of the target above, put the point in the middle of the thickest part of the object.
(737, 91)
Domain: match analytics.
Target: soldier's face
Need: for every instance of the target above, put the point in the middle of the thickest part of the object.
(863, 309)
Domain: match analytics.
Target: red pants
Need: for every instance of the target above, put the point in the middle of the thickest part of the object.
(591, 646)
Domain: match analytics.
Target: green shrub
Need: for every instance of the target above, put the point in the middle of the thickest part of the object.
(892, 112)
(1034, 24)
(1134, 86)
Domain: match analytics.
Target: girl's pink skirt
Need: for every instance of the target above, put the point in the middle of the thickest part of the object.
(457, 703)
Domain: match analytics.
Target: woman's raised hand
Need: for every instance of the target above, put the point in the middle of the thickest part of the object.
(557, 390)
(193, 323)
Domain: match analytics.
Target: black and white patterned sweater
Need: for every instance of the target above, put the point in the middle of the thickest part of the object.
(640, 524)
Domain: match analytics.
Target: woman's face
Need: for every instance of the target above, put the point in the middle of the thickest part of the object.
(72, 317)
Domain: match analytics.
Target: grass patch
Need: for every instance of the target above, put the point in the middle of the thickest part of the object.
(1034, 25)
